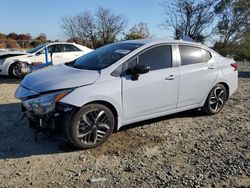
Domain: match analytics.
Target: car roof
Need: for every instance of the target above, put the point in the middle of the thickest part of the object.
(50, 43)
(150, 42)
(159, 41)
(78, 45)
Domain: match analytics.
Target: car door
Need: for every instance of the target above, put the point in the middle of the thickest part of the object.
(71, 52)
(39, 57)
(155, 91)
(197, 75)
(56, 52)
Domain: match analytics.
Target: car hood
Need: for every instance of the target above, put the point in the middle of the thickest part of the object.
(59, 77)
(11, 54)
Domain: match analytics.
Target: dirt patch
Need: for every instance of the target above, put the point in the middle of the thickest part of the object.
(180, 150)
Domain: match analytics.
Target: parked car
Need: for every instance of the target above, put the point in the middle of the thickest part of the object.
(124, 83)
(3, 50)
(61, 52)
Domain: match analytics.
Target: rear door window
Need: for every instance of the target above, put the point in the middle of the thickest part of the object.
(55, 48)
(70, 48)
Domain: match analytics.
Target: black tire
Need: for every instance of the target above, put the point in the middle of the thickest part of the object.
(13, 70)
(90, 127)
(216, 100)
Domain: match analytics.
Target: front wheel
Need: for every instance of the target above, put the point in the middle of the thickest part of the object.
(215, 100)
(15, 70)
(91, 126)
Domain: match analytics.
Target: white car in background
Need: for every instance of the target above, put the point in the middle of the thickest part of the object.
(3, 50)
(124, 83)
(60, 52)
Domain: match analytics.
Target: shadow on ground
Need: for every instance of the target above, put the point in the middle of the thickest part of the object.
(8, 80)
(18, 140)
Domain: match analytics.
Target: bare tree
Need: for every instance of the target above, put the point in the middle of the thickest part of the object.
(109, 25)
(138, 31)
(69, 26)
(234, 20)
(86, 27)
(101, 28)
(189, 17)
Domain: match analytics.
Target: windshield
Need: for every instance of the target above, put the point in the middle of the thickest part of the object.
(105, 56)
(33, 50)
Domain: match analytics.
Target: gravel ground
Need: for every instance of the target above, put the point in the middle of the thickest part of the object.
(182, 150)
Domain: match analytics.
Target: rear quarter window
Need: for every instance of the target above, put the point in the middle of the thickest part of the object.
(206, 55)
(190, 55)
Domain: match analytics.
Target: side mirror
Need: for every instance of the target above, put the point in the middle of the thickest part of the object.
(40, 52)
(138, 70)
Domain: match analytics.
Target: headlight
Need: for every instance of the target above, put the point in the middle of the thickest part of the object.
(45, 103)
(2, 61)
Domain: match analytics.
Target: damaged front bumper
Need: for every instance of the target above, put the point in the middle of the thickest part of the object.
(52, 121)
(44, 110)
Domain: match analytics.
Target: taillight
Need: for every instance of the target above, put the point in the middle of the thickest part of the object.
(235, 66)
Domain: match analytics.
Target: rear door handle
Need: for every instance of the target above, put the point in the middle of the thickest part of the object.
(211, 67)
(170, 77)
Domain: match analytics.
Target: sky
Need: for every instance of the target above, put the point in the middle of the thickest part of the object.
(44, 16)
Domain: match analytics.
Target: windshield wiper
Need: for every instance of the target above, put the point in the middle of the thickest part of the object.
(85, 67)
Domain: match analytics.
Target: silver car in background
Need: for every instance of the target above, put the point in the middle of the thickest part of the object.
(124, 83)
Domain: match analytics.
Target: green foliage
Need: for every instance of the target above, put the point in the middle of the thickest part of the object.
(239, 52)
(138, 31)
(78, 40)
(42, 37)
(35, 43)
(234, 20)
(233, 28)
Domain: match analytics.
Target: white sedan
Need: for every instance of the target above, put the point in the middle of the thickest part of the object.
(124, 83)
(61, 52)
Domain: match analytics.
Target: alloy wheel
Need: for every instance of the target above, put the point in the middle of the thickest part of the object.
(217, 99)
(93, 126)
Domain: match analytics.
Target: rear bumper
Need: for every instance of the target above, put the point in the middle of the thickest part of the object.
(233, 83)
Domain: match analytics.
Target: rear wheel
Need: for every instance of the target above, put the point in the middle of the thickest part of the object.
(91, 126)
(215, 100)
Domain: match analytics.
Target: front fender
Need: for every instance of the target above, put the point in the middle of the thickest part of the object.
(101, 91)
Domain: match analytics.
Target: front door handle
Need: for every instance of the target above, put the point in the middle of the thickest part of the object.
(170, 77)
(211, 67)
